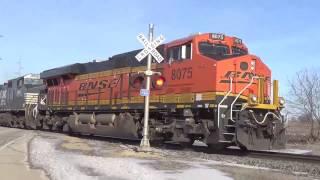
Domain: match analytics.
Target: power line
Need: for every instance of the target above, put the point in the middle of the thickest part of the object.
(20, 67)
(1, 37)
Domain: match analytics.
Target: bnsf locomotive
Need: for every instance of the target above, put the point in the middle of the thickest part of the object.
(210, 89)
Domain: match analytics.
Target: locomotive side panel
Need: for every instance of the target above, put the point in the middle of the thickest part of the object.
(3, 97)
(15, 94)
(95, 90)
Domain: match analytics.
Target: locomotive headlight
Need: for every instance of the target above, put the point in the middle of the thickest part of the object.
(254, 98)
(282, 101)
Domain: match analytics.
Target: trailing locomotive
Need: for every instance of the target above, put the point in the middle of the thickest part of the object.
(210, 89)
(18, 98)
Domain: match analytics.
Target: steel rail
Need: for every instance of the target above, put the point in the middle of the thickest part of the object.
(306, 158)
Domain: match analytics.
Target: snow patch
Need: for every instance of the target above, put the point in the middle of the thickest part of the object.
(66, 165)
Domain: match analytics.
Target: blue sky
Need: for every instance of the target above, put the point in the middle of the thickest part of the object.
(46, 34)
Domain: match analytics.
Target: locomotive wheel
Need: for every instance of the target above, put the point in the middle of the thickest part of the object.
(66, 128)
(187, 144)
(243, 148)
(190, 142)
(10, 124)
(21, 124)
(217, 147)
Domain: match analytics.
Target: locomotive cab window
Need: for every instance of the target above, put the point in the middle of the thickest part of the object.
(238, 51)
(30, 81)
(180, 53)
(215, 51)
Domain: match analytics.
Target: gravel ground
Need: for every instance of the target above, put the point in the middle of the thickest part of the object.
(313, 147)
(290, 169)
(104, 159)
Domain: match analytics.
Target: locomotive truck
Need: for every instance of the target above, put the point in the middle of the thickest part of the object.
(209, 89)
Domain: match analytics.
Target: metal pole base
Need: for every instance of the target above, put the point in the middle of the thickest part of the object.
(144, 145)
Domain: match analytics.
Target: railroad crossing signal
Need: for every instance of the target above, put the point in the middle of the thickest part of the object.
(150, 48)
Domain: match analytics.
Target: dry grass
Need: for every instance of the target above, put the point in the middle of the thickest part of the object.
(298, 132)
(298, 127)
(298, 137)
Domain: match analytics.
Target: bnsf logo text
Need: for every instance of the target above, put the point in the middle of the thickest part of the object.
(243, 77)
(238, 74)
(102, 84)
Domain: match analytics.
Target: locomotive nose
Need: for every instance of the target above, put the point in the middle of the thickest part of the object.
(253, 65)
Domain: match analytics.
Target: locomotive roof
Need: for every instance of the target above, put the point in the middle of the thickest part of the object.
(30, 75)
(117, 61)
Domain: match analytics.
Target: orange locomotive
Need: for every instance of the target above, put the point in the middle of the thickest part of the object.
(210, 89)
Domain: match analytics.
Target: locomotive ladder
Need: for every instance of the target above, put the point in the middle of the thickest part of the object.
(229, 130)
(220, 105)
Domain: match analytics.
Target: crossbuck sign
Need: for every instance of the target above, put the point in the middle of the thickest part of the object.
(150, 48)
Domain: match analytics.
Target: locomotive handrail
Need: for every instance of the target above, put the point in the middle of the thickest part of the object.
(265, 117)
(223, 99)
(237, 97)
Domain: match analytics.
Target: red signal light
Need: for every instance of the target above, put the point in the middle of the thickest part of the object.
(137, 81)
(158, 81)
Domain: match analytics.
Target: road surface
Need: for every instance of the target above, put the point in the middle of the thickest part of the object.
(14, 163)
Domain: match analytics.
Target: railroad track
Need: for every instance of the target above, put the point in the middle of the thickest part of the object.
(283, 156)
(305, 158)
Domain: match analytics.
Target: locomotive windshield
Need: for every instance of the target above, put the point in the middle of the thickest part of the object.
(220, 51)
(31, 81)
(238, 51)
(215, 51)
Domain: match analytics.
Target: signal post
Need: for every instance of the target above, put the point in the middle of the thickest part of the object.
(149, 50)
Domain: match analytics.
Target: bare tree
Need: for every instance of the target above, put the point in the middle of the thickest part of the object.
(305, 98)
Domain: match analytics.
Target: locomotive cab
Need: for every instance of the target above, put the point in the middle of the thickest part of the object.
(222, 74)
